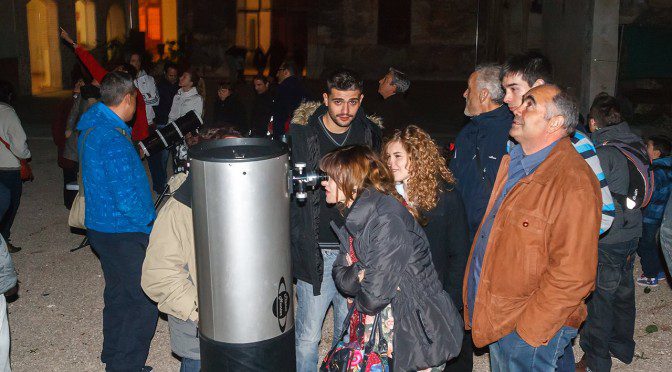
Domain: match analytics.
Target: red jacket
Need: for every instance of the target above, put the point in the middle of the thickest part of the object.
(140, 129)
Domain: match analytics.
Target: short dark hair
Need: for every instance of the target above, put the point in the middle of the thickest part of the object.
(345, 79)
(261, 77)
(169, 65)
(225, 84)
(6, 92)
(662, 144)
(115, 86)
(289, 66)
(129, 69)
(531, 66)
(605, 110)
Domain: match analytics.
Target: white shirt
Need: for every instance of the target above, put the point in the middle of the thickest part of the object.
(150, 94)
(12, 132)
(185, 102)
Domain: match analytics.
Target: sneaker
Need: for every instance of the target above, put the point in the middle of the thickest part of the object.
(647, 282)
(11, 248)
(661, 276)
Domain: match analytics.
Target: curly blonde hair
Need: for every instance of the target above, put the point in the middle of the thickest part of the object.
(427, 168)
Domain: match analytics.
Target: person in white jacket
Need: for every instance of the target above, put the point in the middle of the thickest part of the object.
(12, 149)
(146, 85)
(186, 99)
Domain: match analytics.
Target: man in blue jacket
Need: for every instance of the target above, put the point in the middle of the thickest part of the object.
(481, 144)
(119, 216)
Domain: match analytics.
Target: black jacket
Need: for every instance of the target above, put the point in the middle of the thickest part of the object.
(167, 92)
(396, 111)
(627, 224)
(262, 110)
(394, 252)
(230, 112)
(307, 261)
(448, 234)
(288, 97)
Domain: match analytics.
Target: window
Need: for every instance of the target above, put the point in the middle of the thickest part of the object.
(394, 22)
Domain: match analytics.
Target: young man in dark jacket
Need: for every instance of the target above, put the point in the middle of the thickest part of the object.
(609, 328)
(288, 97)
(167, 88)
(316, 130)
(481, 144)
(262, 106)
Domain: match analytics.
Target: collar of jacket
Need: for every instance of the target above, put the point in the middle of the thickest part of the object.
(546, 170)
(100, 115)
(500, 113)
(663, 162)
(311, 110)
(189, 93)
(359, 213)
(620, 131)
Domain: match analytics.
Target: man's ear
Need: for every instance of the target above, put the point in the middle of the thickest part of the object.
(537, 83)
(361, 98)
(325, 98)
(556, 123)
(483, 95)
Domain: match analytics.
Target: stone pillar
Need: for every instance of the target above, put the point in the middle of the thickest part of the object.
(581, 41)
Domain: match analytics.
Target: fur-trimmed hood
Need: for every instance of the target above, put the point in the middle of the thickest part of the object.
(306, 109)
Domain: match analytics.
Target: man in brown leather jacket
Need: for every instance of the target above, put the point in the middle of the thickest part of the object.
(534, 258)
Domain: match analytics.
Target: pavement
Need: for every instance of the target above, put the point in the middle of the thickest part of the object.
(56, 321)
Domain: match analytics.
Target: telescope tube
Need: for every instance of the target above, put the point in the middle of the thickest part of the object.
(243, 259)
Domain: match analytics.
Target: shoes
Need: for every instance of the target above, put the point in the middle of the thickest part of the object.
(11, 248)
(661, 276)
(647, 282)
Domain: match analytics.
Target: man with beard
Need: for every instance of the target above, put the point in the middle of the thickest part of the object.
(316, 130)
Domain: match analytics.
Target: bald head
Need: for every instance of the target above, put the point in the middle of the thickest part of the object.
(546, 115)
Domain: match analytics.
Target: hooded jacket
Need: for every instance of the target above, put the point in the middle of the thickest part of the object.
(394, 252)
(307, 261)
(662, 175)
(116, 188)
(627, 224)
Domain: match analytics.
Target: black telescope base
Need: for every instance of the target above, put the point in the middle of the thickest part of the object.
(276, 354)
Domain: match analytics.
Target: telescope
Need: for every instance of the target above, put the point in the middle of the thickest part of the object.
(170, 135)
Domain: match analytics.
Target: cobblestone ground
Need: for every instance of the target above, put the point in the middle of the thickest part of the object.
(56, 322)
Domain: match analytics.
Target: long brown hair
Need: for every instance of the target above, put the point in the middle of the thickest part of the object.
(427, 168)
(355, 168)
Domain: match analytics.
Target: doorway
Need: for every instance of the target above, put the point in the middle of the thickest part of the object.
(43, 45)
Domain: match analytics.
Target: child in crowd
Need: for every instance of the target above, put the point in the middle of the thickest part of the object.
(659, 149)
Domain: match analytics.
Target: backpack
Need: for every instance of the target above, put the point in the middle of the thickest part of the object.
(640, 187)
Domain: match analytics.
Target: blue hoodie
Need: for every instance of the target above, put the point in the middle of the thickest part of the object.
(662, 181)
(116, 188)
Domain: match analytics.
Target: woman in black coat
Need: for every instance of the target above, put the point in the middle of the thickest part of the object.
(422, 178)
(385, 265)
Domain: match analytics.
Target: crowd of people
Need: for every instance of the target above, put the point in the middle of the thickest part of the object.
(523, 239)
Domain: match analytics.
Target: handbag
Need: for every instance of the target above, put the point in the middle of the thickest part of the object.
(26, 170)
(352, 356)
(77, 215)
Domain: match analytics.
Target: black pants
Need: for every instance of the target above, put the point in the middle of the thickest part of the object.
(610, 325)
(11, 179)
(129, 317)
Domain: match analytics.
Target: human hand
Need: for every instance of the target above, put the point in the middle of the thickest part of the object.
(65, 36)
(68, 133)
(360, 276)
(78, 86)
(348, 259)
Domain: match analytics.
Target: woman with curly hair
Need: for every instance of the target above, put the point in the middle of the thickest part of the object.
(427, 186)
(385, 267)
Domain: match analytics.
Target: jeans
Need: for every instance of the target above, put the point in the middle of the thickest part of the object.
(512, 354)
(11, 179)
(649, 252)
(129, 317)
(311, 311)
(567, 363)
(4, 336)
(158, 164)
(190, 365)
(610, 325)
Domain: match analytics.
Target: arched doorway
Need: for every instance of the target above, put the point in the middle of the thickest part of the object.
(43, 45)
(85, 19)
(116, 24)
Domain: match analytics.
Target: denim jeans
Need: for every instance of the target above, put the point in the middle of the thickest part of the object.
(649, 251)
(129, 317)
(158, 164)
(11, 179)
(512, 354)
(311, 311)
(190, 365)
(567, 363)
(610, 326)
